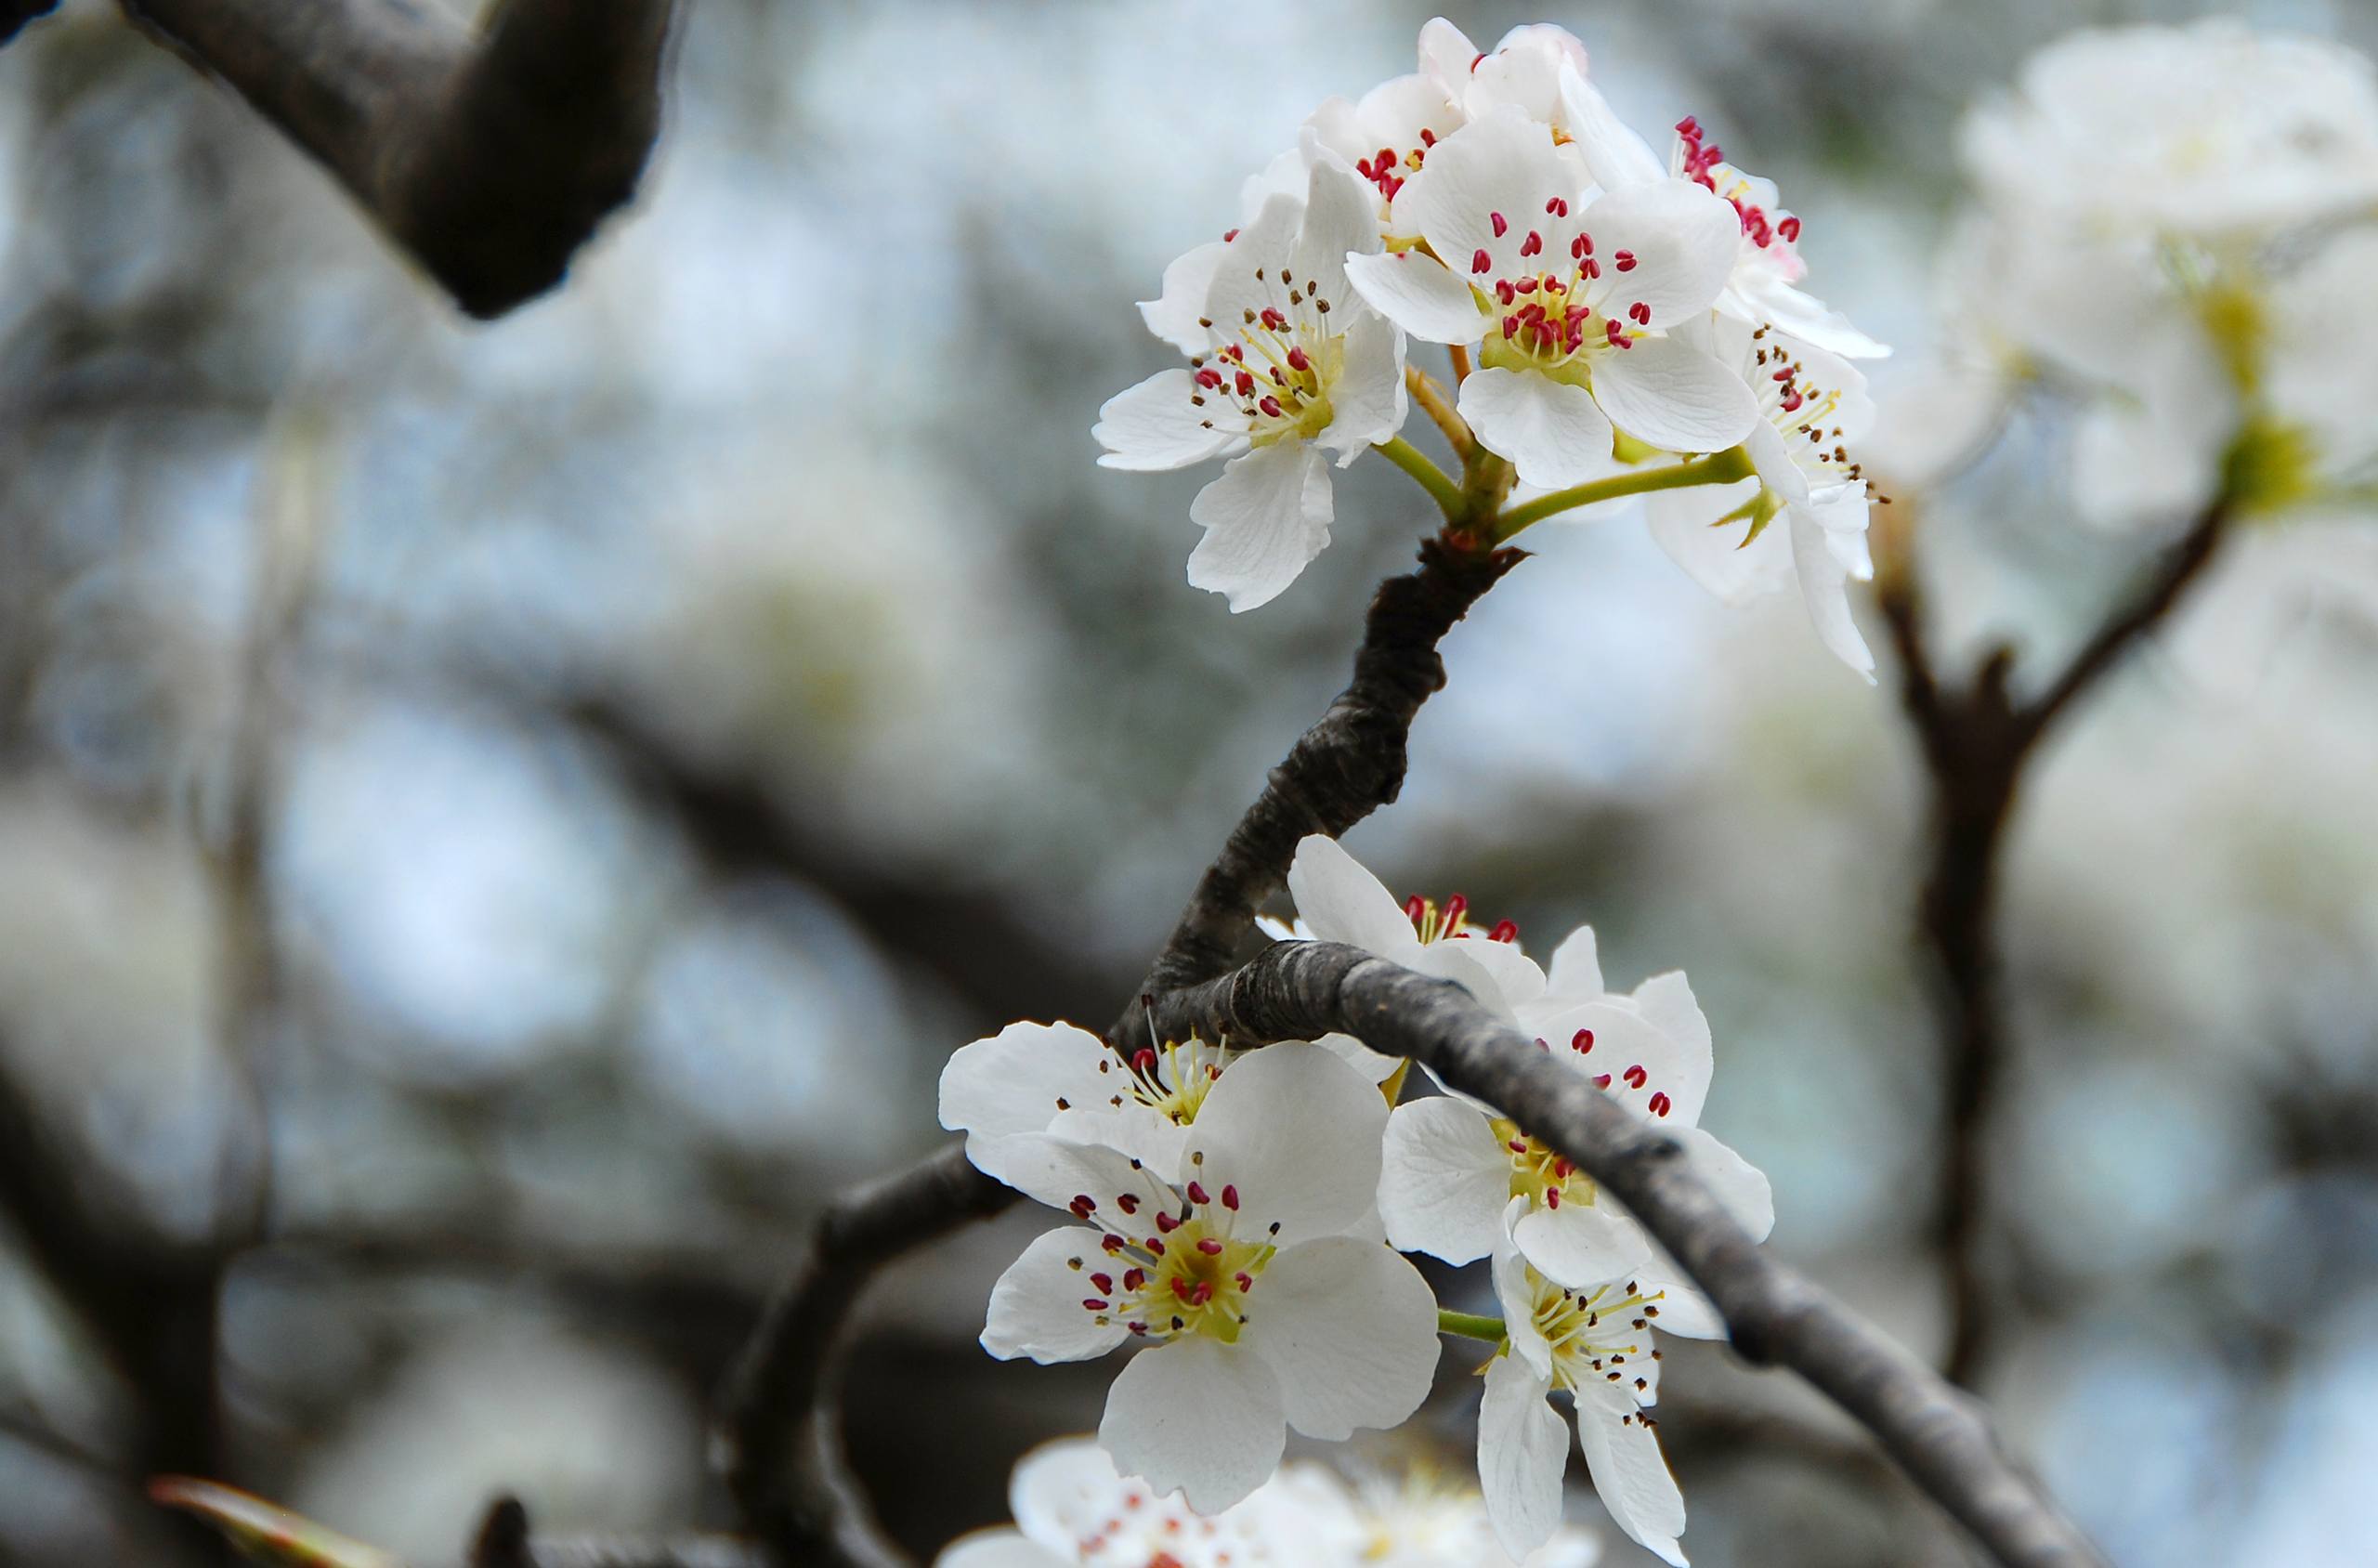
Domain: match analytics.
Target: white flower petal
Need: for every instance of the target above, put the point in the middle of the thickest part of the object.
(1340, 217)
(1367, 402)
(1552, 432)
(1666, 1000)
(1740, 1186)
(1581, 1244)
(1502, 164)
(1772, 459)
(1447, 55)
(1420, 295)
(1517, 1296)
(1196, 1416)
(1523, 1448)
(1350, 1329)
(1376, 1066)
(1722, 558)
(1813, 321)
(1668, 395)
(1173, 315)
(1824, 581)
(1516, 978)
(1299, 1133)
(1443, 1181)
(1265, 519)
(1056, 1170)
(1339, 900)
(1154, 426)
(1013, 1081)
(1684, 241)
(997, 1549)
(1575, 975)
(1263, 245)
(1685, 1311)
(1629, 1475)
(1037, 1310)
(1052, 1486)
(1615, 155)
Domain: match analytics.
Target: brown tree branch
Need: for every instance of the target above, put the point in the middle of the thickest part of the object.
(1977, 741)
(779, 1439)
(505, 1541)
(488, 159)
(1939, 1436)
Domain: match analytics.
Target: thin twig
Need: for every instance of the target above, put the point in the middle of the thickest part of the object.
(488, 159)
(779, 1441)
(1939, 1435)
(1977, 742)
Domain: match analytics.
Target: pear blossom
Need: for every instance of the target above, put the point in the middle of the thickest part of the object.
(1286, 364)
(1572, 303)
(2210, 130)
(1459, 1178)
(1263, 1303)
(1064, 1081)
(1422, 1518)
(1074, 1509)
(1815, 404)
(1597, 1344)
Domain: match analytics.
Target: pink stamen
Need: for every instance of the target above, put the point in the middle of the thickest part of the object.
(1230, 1197)
(1661, 1104)
(1625, 260)
(1480, 261)
(1501, 228)
(1210, 1247)
(1197, 1194)
(1582, 1041)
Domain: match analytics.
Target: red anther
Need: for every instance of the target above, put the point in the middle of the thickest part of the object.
(1384, 157)
(1585, 244)
(1181, 1286)
(1393, 186)
(1299, 360)
(1166, 1224)
(1792, 401)
(1274, 319)
(1092, 1303)
(1712, 155)
(1560, 1168)
(1228, 235)
(1688, 127)
(1269, 405)
(1785, 373)
(1209, 378)
(1525, 285)
(1505, 289)
(1154, 1244)
(1134, 1278)
(1083, 1202)
(1363, 167)
(1501, 228)
(1482, 55)
(1416, 909)
(1519, 1146)
(1592, 268)
(1234, 351)
(1602, 1080)
(1613, 331)
(1204, 1293)
(1138, 1329)
(1558, 206)
(1210, 1246)
(1278, 379)
(1532, 244)
(1105, 1283)
(1578, 248)
(1428, 137)
(1246, 1280)
(1625, 260)
(1127, 1202)
(1582, 1041)
(1230, 1197)
(1543, 1044)
(1505, 931)
(1481, 262)
(1640, 313)
(1790, 229)
(1112, 1243)
(1635, 1076)
(1551, 1198)
(1198, 1192)
(1457, 907)
(1661, 1104)
(1245, 385)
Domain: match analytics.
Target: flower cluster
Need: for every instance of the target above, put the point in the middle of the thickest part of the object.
(1074, 1509)
(1241, 1217)
(1615, 323)
(2173, 227)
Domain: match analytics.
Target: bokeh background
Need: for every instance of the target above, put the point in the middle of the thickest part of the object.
(498, 822)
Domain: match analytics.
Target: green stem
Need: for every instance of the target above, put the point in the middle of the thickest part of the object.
(1415, 462)
(1718, 469)
(1470, 1325)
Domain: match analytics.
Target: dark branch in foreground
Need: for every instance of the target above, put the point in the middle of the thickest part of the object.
(505, 1542)
(1939, 1436)
(1977, 741)
(779, 1438)
(1340, 770)
(488, 159)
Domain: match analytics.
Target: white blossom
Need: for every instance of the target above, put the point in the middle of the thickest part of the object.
(1422, 1518)
(1286, 364)
(1060, 1079)
(1815, 404)
(1598, 1345)
(1263, 1301)
(1074, 1509)
(1570, 303)
(1459, 1178)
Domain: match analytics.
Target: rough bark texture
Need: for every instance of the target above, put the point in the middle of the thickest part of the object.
(488, 159)
(1939, 1435)
(1340, 770)
(1977, 742)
